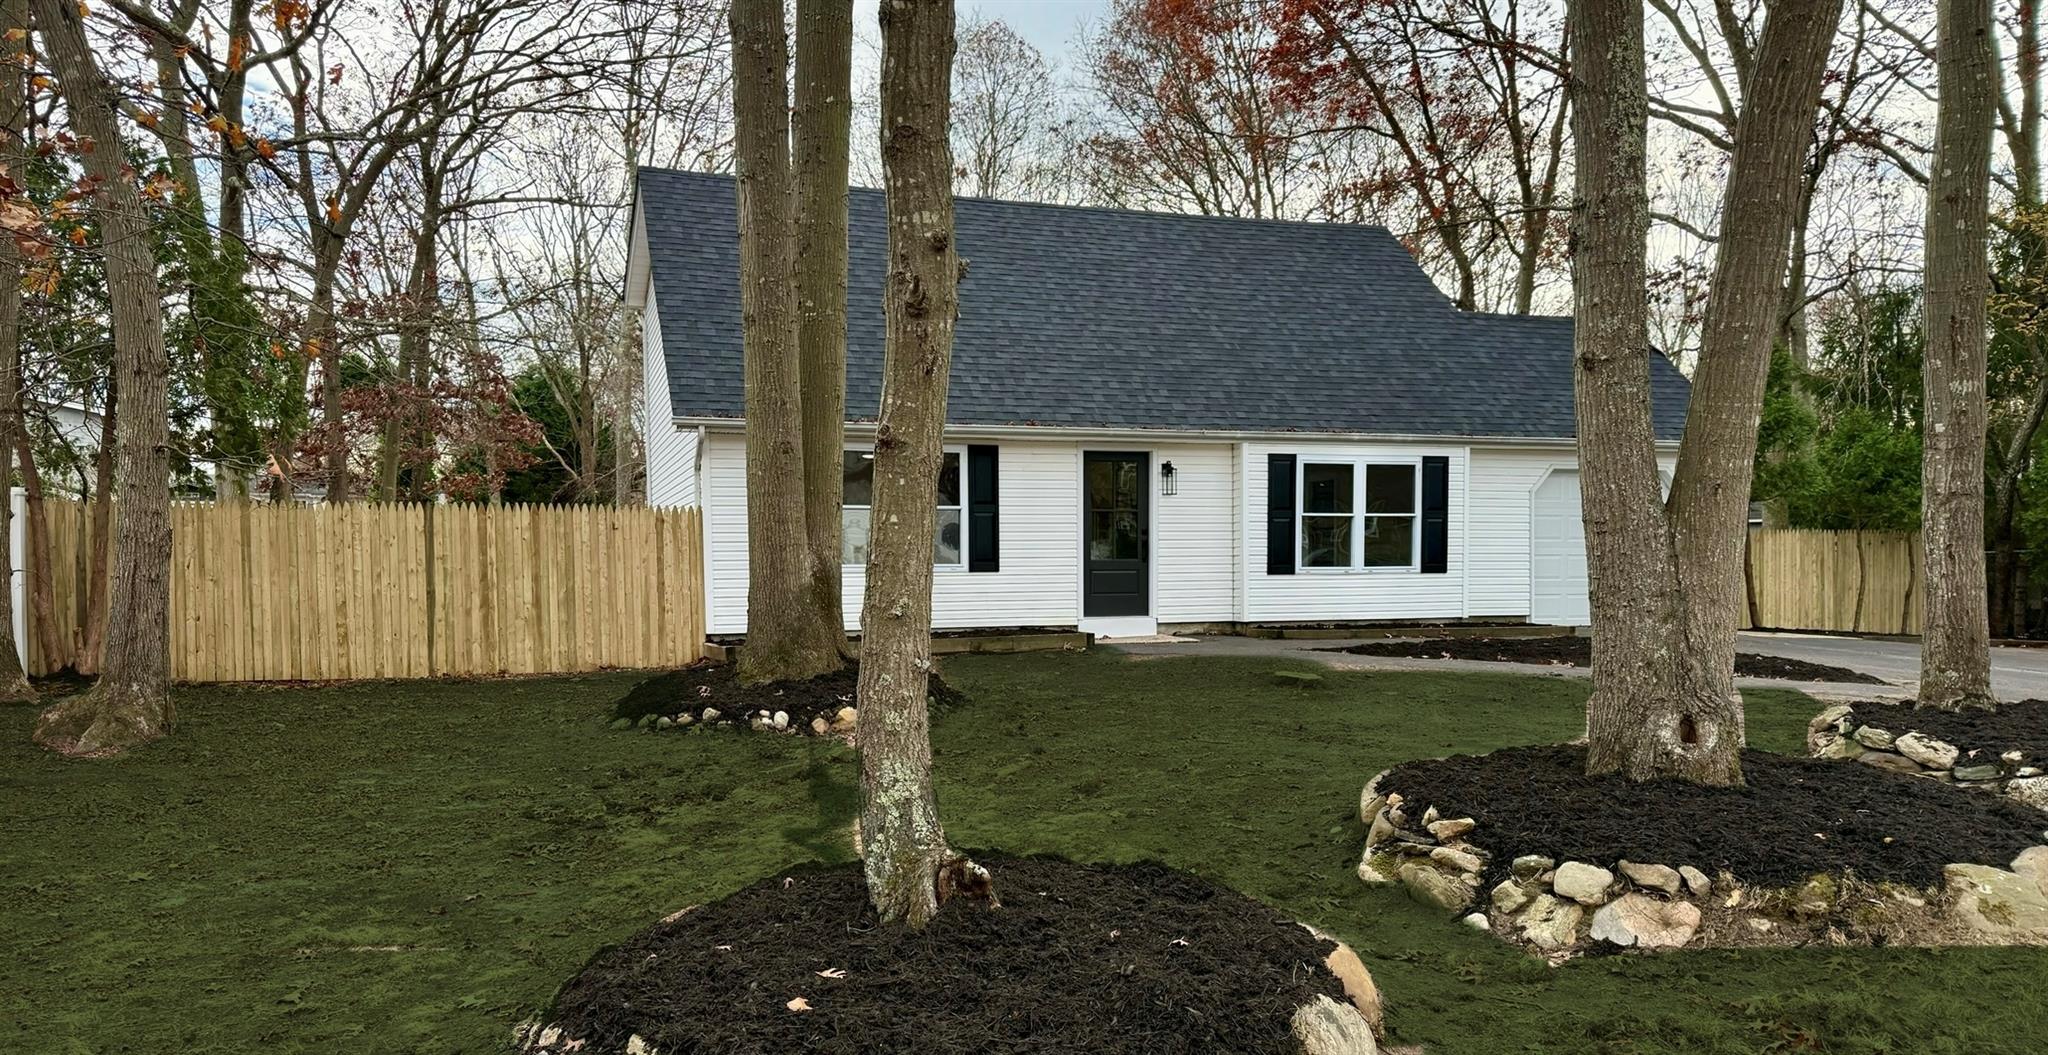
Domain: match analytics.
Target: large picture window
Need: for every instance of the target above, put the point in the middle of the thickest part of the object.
(949, 542)
(1358, 515)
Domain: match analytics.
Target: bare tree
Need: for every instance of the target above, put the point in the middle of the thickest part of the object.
(784, 641)
(1006, 115)
(130, 703)
(1955, 654)
(903, 845)
(14, 158)
(1665, 585)
(823, 129)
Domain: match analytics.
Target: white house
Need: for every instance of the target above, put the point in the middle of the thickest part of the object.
(1160, 420)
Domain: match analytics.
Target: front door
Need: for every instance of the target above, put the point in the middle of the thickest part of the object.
(1117, 525)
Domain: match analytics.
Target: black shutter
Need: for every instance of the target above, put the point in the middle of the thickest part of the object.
(1279, 514)
(1436, 514)
(984, 527)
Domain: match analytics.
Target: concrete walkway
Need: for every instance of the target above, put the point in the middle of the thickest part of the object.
(2016, 673)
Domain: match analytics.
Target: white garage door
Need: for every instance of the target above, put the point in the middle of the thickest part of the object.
(1558, 554)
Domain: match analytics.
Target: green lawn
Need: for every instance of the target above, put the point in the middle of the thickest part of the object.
(414, 868)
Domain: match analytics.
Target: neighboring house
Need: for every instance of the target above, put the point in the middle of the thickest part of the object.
(1160, 420)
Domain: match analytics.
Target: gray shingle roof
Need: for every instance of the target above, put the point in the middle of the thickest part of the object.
(1116, 319)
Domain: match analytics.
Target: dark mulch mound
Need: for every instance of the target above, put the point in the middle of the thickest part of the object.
(708, 684)
(1795, 817)
(1578, 652)
(2013, 726)
(1079, 958)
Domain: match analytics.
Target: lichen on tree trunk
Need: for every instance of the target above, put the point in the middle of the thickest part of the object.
(1955, 642)
(130, 704)
(902, 841)
(785, 641)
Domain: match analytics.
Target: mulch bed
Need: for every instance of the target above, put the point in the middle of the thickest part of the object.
(1079, 958)
(1578, 652)
(2013, 726)
(716, 685)
(1794, 818)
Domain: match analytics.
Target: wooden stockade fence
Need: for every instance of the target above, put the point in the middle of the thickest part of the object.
(287, 593)
(1854, 581)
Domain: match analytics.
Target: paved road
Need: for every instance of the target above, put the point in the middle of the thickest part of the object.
(2016, 673)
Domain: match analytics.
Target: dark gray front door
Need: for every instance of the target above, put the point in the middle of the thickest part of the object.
(1118, 538)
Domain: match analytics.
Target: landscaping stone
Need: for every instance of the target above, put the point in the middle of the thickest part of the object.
(1926, 750)
(1477, 921)
(1458, 859)
(2033, 864)
(1529, 866)
(711, 714)
(1432, 886)
(780, 720)
(1370, 798)
(820, 726)
(1326, 1027)
(622, 723)
(1637, 920)
(1551, 923)
(2001, 905)
(1839, 749)
(1888, 760)
(1696, 881)
(1370, 870)
(1874, 738)
(1651, 876)
(1359, 987)
(1583, 883)
(1826, 720)
(2032, 791)
(1980, 771)
(845, 719)
(1509, 897)
(664, 722)
(1382, 829)
(1445, 831)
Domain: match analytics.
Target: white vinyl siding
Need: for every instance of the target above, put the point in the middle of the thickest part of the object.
(1312, 595)
(1039, 584)
(671, 452)
(1194, 534)
(1504, 482)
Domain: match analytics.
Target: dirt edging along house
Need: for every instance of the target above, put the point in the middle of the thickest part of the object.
(1159, 420)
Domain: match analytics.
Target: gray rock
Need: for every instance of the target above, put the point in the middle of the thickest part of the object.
(2033, 864)
(1551, 923)
(1477, 921)
(1382, 829)
(1926, 750)
(1529, 866)
(647, 721)
(1662, 878)
(1874, 738)
(2004, 906)
(1328, 1027)
(1434, 887)
(819, 727)
(664, 722)
(1839, 748)
(1892, 762)
(1980, 771)
(710, 714)
(1583, 883)
(2013, 758)
(1696, 881)
(1458, 859)
(1827, 719)
(1509, 897)
(2032, 791)
(684, 719)
(1370, 798)
(781, 720)
(1640, 921)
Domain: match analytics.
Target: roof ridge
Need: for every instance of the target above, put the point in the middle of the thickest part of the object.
(1108, 210)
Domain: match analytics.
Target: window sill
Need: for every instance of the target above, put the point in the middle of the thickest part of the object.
(1409, 570)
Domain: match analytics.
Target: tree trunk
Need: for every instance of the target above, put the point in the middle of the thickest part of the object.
(93, 627)
(131, 702)
(1665, 582)
(15, 155)
(902, 842)
(1955, 653)
(823, 116)
(784, 643)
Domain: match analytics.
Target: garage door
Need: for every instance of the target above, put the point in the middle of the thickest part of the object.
(1558, 554)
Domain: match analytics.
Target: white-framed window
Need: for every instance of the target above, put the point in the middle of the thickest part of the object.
(1358, 514)
(949, 541)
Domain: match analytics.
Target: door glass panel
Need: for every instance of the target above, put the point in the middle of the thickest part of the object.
(1115, 517)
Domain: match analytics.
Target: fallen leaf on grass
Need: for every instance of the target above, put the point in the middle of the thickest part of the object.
(799, 1004)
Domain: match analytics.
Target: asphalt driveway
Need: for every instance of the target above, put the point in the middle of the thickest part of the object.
(2016, 673)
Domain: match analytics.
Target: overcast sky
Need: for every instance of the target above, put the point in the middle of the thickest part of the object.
(1050, 25)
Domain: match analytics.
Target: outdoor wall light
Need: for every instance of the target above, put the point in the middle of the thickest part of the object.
(1167, 484)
